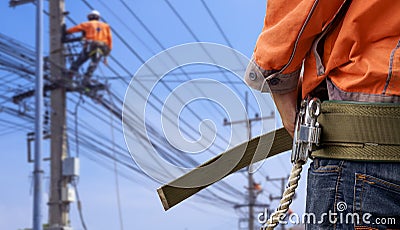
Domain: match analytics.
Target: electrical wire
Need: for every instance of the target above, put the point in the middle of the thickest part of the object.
(79, 204)
(170, 56)
(121, 223)
(142, 60)
(176, 13)
(89, 146)
(76, 126)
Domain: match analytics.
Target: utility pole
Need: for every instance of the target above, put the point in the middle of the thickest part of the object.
(63, 170)
(58, 209)
(248, 122)
(283, 182)
(38, 171)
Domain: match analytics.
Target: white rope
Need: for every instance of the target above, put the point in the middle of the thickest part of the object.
(287, 197)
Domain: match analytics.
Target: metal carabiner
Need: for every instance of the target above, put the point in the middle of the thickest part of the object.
(307, 130)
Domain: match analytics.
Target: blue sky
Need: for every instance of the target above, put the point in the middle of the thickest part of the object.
(241, 21)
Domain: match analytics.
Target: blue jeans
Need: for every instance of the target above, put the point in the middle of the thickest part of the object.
(345, 194)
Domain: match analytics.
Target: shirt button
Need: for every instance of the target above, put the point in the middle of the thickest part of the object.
(274, 81)
(252, 76)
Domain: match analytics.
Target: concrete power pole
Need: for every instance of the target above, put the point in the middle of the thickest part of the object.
(252, 196)
(58, 210)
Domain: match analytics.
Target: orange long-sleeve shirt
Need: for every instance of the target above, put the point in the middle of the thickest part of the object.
(95, 31)
(358, 55)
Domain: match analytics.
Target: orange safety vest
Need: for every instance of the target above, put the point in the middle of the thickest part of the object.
(94, 31)
(354, 45)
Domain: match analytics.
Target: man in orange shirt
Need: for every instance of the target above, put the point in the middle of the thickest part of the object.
(339, 50)
(98, 44)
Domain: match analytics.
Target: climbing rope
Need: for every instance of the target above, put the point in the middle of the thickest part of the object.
(307, 133)
(287, 197)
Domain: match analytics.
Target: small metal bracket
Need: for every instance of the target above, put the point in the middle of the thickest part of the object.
(31, 138)
(14, 3)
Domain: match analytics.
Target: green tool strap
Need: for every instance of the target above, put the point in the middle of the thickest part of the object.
(353, 131)
(360, 152)
(255, 150)
(360, 131)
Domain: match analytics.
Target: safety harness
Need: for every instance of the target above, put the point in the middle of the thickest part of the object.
(332, 129)
(360, 131)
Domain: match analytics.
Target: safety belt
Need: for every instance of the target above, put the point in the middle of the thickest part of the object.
(360, 131)
(353, 131)
(258, 148)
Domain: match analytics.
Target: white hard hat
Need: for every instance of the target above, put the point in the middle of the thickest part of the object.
(94, 14)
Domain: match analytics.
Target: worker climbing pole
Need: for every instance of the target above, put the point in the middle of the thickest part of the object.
(96, 43)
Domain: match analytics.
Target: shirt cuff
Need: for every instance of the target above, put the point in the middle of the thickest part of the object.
(270, 81)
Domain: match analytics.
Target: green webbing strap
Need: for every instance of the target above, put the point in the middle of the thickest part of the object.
(360, 123)
(257, 149)
(353, 131)
(360, 131)
(361, 152)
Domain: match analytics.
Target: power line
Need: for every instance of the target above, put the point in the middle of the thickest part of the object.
(216, 22)
(89, 146)
(119, 36)
(142, 60)
(176, 13)
(143, 43)
(116, 173)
